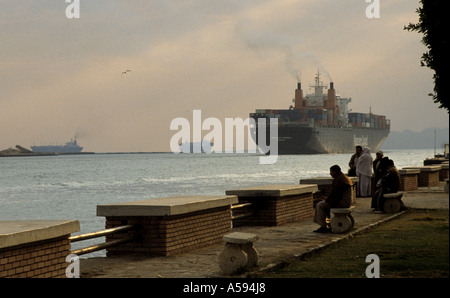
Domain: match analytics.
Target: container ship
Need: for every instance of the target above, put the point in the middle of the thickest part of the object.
(321, 123)
(70, 147)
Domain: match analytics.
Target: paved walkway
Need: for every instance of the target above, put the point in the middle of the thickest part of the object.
(276, 245)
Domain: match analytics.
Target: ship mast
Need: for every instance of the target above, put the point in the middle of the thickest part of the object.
(318, 88)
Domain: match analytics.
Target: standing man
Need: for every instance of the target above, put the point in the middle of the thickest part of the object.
(339, 197)
(354, 160)
(364, 172)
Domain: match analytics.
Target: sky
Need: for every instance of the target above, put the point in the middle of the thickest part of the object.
(62, 77)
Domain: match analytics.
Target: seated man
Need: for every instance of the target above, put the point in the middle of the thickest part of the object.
(339, 197)
(389, 183)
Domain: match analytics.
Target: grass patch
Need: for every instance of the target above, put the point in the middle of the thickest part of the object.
(415, 244)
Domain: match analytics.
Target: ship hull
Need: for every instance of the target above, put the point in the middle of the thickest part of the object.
(322, 140)
(56, 149)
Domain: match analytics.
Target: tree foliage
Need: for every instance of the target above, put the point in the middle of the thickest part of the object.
(435, 28)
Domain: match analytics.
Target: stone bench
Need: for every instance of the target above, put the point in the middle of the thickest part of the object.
(342, 221)
(324, 186)
(409, 179)
(428, 176)
(35, 248)
(239, 253)
(171, 225)
(393, 202)
(273, 205)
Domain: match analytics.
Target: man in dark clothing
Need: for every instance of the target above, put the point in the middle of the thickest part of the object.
(379, 169)
(354, 160)
(379, 165)
(339, 197)
(389, 183)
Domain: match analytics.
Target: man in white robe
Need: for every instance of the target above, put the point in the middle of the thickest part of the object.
(364, 173)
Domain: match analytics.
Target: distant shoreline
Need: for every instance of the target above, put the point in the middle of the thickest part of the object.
(41, 154)
(78, 153)
(34, 154)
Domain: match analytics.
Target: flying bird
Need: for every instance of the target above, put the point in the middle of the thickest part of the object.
(125, 72)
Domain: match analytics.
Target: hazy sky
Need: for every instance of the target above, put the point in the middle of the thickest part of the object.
(61, 77)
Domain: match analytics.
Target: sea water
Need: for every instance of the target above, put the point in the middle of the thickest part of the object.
(70, 187)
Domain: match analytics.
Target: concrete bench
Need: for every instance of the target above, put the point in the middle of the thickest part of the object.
(35, 248)
(239, 253)
(428, 176)
(171, 225)
(342, 221)
(409, 179)
(274, 205)
(393, 202)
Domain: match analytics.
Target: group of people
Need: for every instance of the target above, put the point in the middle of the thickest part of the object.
(361, 164)
(387, 180)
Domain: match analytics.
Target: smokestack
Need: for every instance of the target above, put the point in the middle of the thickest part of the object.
(299, 100)
(331, 104)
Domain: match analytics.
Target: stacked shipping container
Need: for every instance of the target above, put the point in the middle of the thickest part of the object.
(367, 120)
(321, 117)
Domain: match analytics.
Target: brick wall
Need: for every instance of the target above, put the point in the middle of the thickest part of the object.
(273, 211)
(408, 182)
(428, 179)
(170, 235)
(443, 174)
(41, 259)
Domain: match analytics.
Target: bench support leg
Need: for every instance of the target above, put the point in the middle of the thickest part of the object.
(341, 223)
(392, 205)
(239, 253)
(237, 257)
(252, 255)
(352, 220)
